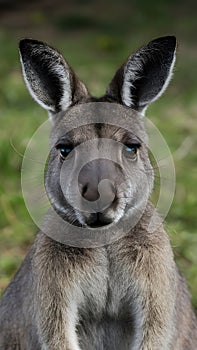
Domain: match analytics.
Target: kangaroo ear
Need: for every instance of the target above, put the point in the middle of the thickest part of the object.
(145, 75)
(49, 79)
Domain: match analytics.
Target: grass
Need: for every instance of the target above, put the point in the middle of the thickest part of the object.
(95, 48)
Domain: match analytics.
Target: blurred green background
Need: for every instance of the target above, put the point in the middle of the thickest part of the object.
(96, 37)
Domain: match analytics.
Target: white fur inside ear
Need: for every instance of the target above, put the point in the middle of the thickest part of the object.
(129, 76)
(32, 93)
(62, 72)
(167, 81)
(132, 72)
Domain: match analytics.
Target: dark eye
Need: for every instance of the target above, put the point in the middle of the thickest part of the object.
(130, 151)
(64, 150)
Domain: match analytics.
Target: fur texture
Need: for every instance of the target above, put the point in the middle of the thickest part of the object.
(127, 295)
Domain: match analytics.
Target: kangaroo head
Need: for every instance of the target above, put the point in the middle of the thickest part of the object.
(98, 168)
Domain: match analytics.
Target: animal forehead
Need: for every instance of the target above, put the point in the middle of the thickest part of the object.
(99, 130)
(90, 120)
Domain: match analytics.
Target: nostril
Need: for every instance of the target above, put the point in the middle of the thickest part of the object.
(84, 189)
(90, 193)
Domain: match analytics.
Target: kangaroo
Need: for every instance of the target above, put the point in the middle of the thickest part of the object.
(126, 294)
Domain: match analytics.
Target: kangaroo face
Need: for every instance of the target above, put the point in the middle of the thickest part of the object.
(99, 171)
(115, 174)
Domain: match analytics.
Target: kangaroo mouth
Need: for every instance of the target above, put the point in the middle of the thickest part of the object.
(98, 220)
(98, 223)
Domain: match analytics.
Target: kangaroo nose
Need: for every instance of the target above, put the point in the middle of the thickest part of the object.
(97, 182)
(105, 191)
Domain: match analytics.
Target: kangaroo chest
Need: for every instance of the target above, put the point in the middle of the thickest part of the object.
(107, 313)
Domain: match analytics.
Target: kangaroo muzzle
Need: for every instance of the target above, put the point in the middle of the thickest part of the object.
(98, 186)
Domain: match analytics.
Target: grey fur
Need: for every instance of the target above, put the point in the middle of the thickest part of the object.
(127, 295)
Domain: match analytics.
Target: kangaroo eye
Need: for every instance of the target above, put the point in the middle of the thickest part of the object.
(130, 151)
(64, 150)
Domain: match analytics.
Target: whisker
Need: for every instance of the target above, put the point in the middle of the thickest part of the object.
(22, 155)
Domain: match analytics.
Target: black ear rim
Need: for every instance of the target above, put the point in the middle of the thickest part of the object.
(169, 39)
(25, 43)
